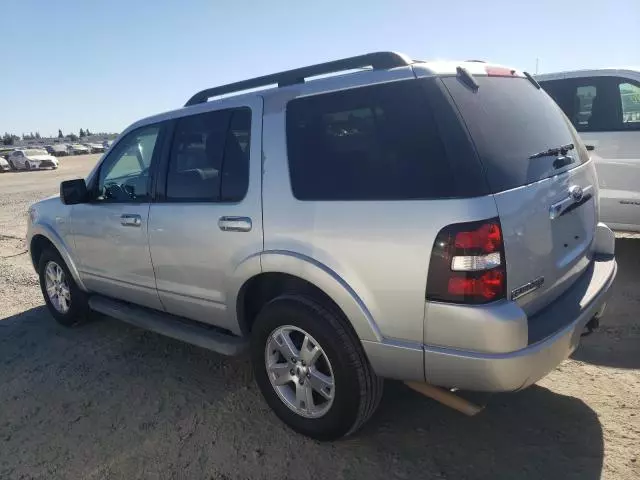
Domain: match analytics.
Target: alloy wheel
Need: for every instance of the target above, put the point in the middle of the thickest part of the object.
(57, 287)
(299, 371)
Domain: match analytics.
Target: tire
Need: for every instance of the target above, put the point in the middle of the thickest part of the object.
(27, 166)
(13, 167)
(76, 300)
(355, 391)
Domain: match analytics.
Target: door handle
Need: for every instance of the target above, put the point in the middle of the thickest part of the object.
(235, 224)
(129, 220)
(570, 202)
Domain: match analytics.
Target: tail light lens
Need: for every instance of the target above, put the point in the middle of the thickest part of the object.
(467, 264)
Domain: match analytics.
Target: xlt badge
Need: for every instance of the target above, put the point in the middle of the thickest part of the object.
(527, 288)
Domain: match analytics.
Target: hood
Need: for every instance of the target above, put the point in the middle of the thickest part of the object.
(41, 157)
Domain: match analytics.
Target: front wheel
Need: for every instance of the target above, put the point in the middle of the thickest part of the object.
(27, 166)
(311, 368)
(66, 302)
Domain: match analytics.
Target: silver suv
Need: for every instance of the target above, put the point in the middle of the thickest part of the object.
(427, 222)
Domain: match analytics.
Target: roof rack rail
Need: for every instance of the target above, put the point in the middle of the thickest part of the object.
(377, 60)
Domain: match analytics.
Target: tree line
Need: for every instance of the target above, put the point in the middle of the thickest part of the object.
(10, 138)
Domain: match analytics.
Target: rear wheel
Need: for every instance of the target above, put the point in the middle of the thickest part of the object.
(13, 167)
(66, 302)
(311, 368)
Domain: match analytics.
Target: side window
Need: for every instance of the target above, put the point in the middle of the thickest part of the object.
(583, 102)
(371, 143)
(209, 159)
(630, 101)
(595, 104)
(576, 97)
(124, 175)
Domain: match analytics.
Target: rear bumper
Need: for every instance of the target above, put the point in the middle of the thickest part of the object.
(516, 370)
(510, 371)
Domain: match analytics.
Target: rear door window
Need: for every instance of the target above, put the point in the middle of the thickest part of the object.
(378, 142)
(510, 120)
(598, 104)
(209, 159)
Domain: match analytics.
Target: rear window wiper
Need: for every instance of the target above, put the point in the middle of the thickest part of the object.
(561, 150)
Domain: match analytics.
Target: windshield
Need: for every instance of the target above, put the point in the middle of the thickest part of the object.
(518, 130)
(33, 151)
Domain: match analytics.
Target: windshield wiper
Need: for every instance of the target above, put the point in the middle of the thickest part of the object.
(561, 150)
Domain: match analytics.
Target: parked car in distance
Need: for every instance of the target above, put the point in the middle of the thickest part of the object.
(107, 144)
(4, 164)
(77, 149)
(95, 147)
(344, 233)
(604, 107)
(31, 159)
(59, 150)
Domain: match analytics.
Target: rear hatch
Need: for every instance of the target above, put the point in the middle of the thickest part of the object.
(546, 196)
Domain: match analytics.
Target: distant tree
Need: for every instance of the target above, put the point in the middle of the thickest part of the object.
(87, 132)
(38, 137)
(60, 135)
(8, 139)
(81, 133)
(72, 137)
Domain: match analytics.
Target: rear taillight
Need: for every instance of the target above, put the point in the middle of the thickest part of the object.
(467, 264)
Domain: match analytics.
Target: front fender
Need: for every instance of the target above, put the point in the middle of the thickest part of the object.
(58, 242)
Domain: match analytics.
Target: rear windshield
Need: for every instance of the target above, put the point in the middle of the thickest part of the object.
(510, 120)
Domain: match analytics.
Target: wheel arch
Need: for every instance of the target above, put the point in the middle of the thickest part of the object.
(286, 272)
(43, 237)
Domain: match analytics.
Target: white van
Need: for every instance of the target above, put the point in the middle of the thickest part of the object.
(604, 106)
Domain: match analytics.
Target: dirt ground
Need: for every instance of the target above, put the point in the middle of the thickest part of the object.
(107, 400)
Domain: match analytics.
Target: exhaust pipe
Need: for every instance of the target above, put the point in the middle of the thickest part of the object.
(446, 397)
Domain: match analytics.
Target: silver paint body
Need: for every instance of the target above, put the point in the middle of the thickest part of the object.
(371, 258)
(617, 159)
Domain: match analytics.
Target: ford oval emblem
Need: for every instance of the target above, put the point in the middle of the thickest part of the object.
(576, 193)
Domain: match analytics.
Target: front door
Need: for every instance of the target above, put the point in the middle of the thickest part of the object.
(208, 217)
(110, 232)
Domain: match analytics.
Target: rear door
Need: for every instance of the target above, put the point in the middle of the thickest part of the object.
(606, 112)
(547, 203)
(208, 217)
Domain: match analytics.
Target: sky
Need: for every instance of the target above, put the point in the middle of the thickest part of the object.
(101, 65)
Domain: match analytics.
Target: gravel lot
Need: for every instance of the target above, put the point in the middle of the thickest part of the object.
(111, 401)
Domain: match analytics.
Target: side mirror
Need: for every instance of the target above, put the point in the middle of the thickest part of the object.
(590, 148)
(73, 192)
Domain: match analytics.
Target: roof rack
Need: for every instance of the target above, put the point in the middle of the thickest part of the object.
(377, 60)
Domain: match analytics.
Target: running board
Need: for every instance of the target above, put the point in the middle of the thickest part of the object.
(170, 326)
